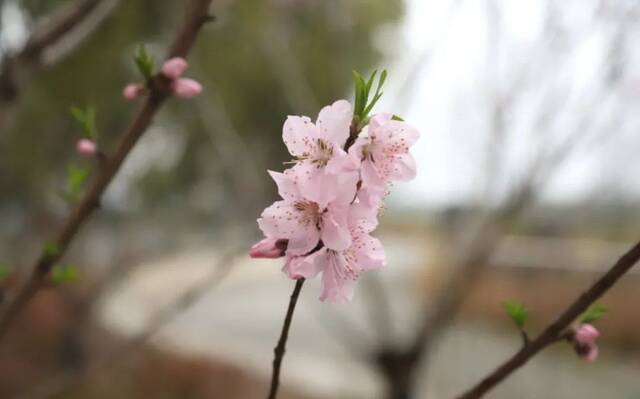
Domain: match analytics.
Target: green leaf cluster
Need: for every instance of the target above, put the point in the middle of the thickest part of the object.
(592, 314)
(144, 62)
(364, 102)
(517, 312)
(64, 274)
(86, 118)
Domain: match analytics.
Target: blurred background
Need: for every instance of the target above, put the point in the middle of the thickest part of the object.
(529, 118)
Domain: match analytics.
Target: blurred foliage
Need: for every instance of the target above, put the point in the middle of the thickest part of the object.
(240, 60)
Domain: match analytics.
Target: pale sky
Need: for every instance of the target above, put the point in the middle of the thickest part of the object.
(447, 101)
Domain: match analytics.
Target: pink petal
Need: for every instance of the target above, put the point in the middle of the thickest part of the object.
(283, 221)
(335, 233)
(403, 168)
(371, 179)
(305, 266)
(174, 67)
(377, 120)
(369, 253)
(299, 134)
(287, 185)
(395, 136)
(336, 287)
(592, 354)
(186, 88)
(334, 122)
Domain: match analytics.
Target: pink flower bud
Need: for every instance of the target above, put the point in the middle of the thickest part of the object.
(584, 342)
(586, 334)
(86, 148)
(186, 88)
(132, 91)
(174, 67)
(268, 248)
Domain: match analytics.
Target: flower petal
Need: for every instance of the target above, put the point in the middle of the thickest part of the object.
(299, 134)
(334, 122)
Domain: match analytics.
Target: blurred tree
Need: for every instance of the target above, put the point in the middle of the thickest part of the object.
(261, 60)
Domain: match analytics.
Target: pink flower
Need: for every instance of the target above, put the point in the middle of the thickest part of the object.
(174, 68)
(318, 150)
(584, 341)
(132, 91)
(304, 222)
(384, 153)
(86, 148)
(186, 88)
(341, 268)
(268, 248)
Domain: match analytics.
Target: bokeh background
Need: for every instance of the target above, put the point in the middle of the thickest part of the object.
(526, 191)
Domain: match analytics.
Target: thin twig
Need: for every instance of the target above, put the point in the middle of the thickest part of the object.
(159, 92)
(556, 330)
(279, 350)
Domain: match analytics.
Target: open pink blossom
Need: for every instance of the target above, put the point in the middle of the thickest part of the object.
(304, 222)
(384, 153)
(269, 248)
(186, 88)
(174, 67)
(584, 340)
(86, 147)
(318, 150)
(341, 268)
(132, 91)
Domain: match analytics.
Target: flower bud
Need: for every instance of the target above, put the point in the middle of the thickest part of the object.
(186, 88)
(269, 248)
(174, 67)
(584, 341)
(132, 91)
(86, 148)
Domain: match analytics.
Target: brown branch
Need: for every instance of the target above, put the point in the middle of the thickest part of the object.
(159, 92)
(279, 350)
(556, 329)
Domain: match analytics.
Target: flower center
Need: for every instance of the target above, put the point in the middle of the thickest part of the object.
(319, 153)
(308, 212)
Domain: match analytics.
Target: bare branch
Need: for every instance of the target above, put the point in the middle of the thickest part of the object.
(556, 329)
(159, 92)
(282, 342)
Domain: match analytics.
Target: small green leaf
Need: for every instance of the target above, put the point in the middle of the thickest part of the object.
(397, 118)
(592, 314)
(370, 83)
(76, 176)
(517, 312)
(87, 119)
(64, 274)
(51, 249)
(5, 271)
(144, 62)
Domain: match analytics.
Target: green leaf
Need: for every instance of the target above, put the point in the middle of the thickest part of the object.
(5, 271)
(369, 84)
(87, 119)
(144, 62)
(592, 314)
(360, 94)
(64, 274)
(517, 312)
(397, 118)
(76, 176)
(51, 249)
